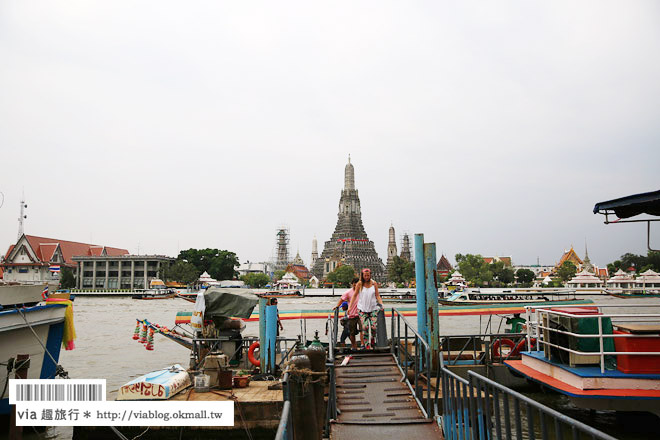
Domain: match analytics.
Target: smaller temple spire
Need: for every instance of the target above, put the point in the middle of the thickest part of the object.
(349, 175)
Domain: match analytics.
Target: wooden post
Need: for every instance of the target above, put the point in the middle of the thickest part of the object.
(22, 364)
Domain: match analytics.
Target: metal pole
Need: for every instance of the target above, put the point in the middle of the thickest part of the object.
(431, 301)
(262, 334)
(420, 282)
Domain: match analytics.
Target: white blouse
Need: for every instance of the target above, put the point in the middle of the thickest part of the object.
(367, 299)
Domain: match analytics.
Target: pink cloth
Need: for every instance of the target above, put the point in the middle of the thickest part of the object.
(352, 311)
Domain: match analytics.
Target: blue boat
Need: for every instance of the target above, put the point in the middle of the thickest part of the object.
(29, 326)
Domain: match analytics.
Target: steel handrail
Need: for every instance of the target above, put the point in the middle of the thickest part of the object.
(421, 359)
(468, 404)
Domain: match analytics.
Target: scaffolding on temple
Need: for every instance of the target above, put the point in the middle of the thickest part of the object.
(406, 253)
(281, 259)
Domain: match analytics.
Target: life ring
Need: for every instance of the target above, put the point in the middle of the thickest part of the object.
(503, 341)
(522, 345)
(251, 357)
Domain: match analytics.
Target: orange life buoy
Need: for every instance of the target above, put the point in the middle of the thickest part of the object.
(503, 341)
(522, 345)
(251, 357)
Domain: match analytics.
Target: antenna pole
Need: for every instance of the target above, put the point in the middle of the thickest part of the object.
(22, 217)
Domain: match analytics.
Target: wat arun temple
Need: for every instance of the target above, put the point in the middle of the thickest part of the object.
(349, 243)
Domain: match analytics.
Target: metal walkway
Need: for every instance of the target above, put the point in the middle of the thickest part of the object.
(375, 403)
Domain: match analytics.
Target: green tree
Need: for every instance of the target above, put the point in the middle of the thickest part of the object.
(401, 271)
(525, 276)
(256, 280)
(220, 264)
(506, 276)
(182, 272)
(278, 275)
(566, 271)
(342, 276)
(474, 269)
(67, 280)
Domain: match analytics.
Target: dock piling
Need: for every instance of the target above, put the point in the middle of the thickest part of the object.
(433, 331)
(420, 285)
(262, 334)
(21, 366)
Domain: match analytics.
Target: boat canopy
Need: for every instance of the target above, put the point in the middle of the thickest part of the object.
(630, 206)
(229, 302)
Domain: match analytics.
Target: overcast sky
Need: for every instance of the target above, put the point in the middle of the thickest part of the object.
(492, 127)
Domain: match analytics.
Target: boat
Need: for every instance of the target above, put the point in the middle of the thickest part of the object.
(280, 293)
(603, 357)
(157, 385)
(157, 290)
(632, 293)
(470, 297)
(33, 326)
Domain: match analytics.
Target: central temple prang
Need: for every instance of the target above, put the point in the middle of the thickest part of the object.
(349, 243)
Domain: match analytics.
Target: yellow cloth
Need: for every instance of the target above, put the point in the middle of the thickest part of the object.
(69, 330)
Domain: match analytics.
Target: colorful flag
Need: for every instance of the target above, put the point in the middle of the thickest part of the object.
(55, 268)
(44, 294)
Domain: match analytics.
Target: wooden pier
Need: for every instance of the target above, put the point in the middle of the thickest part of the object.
(257, 412)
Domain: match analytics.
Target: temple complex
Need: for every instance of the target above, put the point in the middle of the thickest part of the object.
(349, 243)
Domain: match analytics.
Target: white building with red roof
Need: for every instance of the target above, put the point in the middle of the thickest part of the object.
(38, 260)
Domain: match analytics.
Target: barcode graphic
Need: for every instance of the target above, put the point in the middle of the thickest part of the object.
(58, 392)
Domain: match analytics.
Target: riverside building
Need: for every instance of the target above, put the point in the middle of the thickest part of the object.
(125, 272)
(40, 260)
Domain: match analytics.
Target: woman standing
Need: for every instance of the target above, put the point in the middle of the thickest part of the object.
(368, 302)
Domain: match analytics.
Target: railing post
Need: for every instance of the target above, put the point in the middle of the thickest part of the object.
(602, 345)
(420, 286)
(431, 300)
(392, 333)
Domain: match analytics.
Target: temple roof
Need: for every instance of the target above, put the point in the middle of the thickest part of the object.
(570, 255)
(649, 277)
(585, 277)
(444, 264)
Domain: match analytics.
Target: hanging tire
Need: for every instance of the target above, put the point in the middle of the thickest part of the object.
(254, 361)
(502, 342)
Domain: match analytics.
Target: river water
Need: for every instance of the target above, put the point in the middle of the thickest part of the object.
(105, 348)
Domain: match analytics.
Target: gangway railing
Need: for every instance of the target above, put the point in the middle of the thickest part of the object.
(415, 357)
(541, 332)
(480, 408)
(285, 428)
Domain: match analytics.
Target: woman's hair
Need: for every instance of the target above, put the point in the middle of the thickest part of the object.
(354, 281)
(360, 283)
